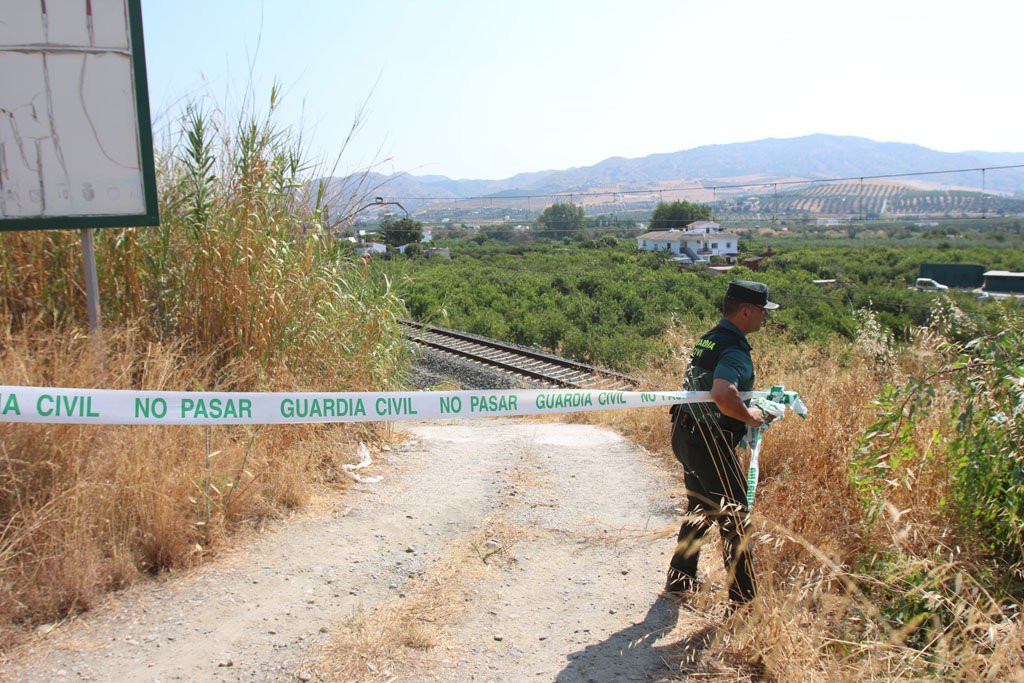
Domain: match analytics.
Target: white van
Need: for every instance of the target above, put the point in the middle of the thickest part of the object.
(926, 284)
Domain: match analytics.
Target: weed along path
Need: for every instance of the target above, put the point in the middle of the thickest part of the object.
(492, 550)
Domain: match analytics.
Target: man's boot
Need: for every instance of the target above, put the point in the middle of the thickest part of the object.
(679, 582)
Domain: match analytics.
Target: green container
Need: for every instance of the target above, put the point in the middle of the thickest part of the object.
(958, 275)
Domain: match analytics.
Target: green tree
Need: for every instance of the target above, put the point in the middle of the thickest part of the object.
(401, 231)
(678, 214)
(558, 219)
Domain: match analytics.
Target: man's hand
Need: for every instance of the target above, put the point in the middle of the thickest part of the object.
(757, 417)
(727, 397)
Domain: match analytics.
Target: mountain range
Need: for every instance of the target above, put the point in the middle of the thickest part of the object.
(809, 157)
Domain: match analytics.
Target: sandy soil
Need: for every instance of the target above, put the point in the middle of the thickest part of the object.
(566, 590)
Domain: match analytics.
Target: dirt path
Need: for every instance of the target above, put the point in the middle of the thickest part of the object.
(515, 551)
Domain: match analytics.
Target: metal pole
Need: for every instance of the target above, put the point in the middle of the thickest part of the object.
(984, 197)
(92, 288)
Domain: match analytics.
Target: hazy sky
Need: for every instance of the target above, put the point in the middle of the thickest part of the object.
(490, 88)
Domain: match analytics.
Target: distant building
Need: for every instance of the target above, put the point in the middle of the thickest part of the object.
(429, 252)
(754, 262)
(370, 248)
(699, 242)
(1004, 282)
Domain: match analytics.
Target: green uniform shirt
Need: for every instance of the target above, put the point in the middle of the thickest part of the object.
(734, 364)
(722, 353)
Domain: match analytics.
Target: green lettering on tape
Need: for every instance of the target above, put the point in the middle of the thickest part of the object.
(11, 405)
(491, 403)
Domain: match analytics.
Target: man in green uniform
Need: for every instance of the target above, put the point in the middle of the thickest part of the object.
(705, 437)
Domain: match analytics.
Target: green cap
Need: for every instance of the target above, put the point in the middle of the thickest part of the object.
(748, 292)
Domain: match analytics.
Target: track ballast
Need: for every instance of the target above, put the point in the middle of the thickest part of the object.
(536, 366)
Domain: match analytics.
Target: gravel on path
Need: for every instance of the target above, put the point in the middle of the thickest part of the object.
(578, 602)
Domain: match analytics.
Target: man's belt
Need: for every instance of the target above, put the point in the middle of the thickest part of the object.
(714, 420)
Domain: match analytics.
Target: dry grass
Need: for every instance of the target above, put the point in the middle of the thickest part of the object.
(240, 288)
(801, 627)
(400, 638)
(90, 508)
(817, 617)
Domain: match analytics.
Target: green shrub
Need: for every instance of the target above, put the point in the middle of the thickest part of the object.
(988, 452)
(985, 459)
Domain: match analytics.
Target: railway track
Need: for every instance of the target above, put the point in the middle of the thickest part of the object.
(538, 366)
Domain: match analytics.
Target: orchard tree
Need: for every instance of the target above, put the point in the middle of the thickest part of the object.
(678, 214)
(560, 220)
(401, 231)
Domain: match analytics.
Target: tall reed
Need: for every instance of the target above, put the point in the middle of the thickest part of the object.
(243, 263)
(243, 286)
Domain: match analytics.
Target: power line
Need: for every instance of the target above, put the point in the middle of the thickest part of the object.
(865, 223)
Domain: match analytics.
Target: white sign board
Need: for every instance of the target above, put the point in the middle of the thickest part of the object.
(75, 139)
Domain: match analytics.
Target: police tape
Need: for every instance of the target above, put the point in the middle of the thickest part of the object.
(116, 406)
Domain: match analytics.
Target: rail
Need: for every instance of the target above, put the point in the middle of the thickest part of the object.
(536, 365)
